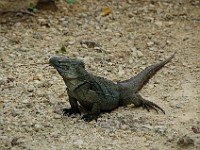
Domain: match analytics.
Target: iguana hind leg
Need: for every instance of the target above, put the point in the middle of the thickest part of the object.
(94, 114)
(138, 101)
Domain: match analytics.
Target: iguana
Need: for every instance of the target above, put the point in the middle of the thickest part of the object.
(98, 94)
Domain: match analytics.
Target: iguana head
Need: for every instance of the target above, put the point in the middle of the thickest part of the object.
(68, 68)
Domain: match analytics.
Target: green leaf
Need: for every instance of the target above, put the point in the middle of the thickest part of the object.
(63, 49)
(71, 1)
(32, 8)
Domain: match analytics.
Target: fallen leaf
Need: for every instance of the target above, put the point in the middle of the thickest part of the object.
(35, 77)
(106, 11)
(63, 49)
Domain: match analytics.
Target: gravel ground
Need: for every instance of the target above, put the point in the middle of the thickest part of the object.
(132, 36)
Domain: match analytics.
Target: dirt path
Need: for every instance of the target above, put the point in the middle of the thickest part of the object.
(134, 35)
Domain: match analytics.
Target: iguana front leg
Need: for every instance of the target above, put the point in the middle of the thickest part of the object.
(94, 114)
(74, 107)
(91, 101)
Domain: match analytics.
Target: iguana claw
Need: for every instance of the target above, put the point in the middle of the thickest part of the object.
(69, 112)
(150, 105)
(90, 117)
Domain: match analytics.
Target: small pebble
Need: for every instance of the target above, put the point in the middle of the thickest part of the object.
(57, 116)
(185, 141)
(158, 23)
(38, 127)
(30, 88)
(140, 54)
(150, 43)
(78, 143)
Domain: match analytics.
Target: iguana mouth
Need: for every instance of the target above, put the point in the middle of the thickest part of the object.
(52, 60)
(59, 68)
(54, 63)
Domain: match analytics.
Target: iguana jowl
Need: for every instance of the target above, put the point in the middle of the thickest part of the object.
(98, 94)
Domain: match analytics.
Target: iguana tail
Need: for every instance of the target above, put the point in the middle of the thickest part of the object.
(134, 84)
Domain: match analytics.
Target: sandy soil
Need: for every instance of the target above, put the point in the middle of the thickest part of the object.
(132, 36)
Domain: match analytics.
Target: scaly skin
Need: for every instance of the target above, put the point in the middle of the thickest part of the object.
(98, 94)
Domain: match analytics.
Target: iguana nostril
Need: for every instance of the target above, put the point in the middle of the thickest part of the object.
(52, 60)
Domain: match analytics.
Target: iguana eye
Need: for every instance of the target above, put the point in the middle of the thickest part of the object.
(59, 61)
(83, 65)
(66, 67)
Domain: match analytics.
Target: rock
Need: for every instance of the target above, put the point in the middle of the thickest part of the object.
(168, 42)
(153, 48)
(121, 72)
(175, 105)
(154, 148)
(57, 116)
(88, 60)
(78, 143)
(170, 23)
(2, 82)
(10, 79)
(195, 2)
(124, 127)
(161, 129)
(140, 54)
(15, 112)
(18, 24)
(41, 93)
(1, 121)
(30, 88)
(89, 44)
(45, 84)
(38, 127)
(37, 35)
(3, 137)
(71, 42)
(42, 21)
(196, 129)
(62, 138)
(25, 101)
(150, 43)
(58, 108)
(158, 23)
(53, 71)
(14, 141)
(185, 141)
(170, 138)
(130, 15)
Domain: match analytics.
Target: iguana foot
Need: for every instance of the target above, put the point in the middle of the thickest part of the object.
(69, 112)
(150, 105)
(90, 117)
(138, 101)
